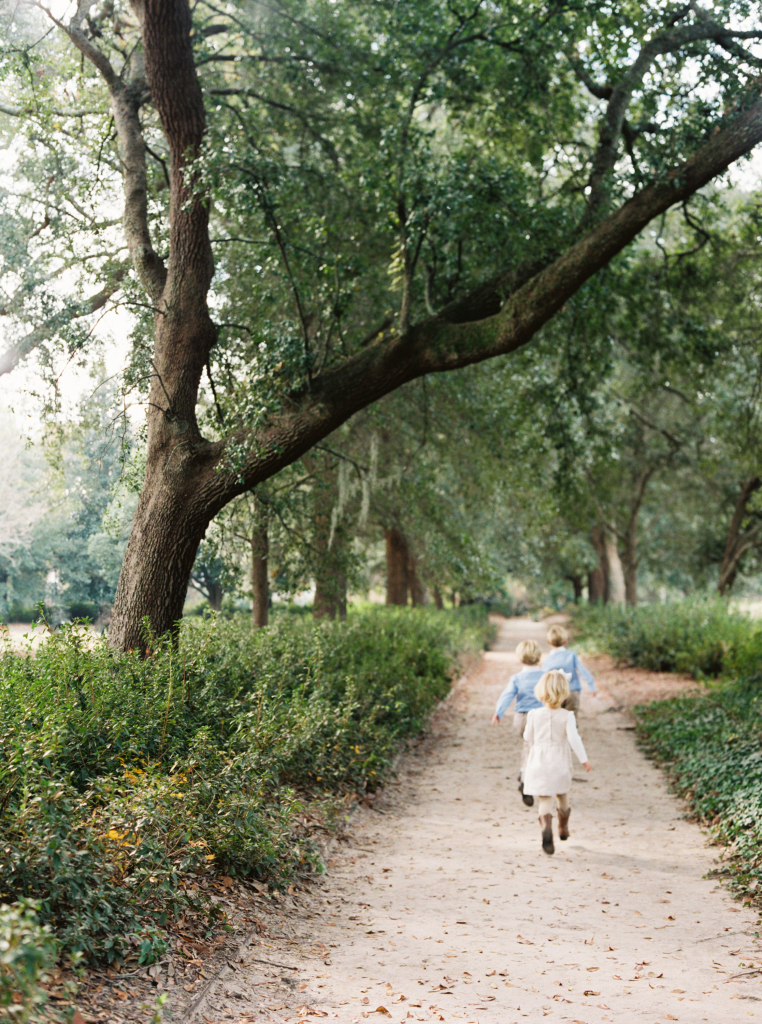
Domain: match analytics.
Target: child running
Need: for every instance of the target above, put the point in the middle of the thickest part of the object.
(569, 662)
(521, 686)
(551, 733)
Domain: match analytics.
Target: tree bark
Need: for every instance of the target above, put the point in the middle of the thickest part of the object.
(617, 593)
(186, 481)
(738, 542)
(436, 594)
(215, 596)
(397, 563)
(417, 589)
(260, 590)
(598, 578)
(576, 582)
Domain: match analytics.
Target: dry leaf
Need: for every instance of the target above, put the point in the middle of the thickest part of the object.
(378, 1009)
(589, 992)
(307, 1011)
(77, 1018)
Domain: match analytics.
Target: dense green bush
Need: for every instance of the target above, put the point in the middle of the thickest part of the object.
(711, 744)
(703, 637)
(26, 950)
(118, 776)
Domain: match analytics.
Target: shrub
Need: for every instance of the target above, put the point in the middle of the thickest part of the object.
(703, 637)
(27, 949)
(711, 744)
(118, 776)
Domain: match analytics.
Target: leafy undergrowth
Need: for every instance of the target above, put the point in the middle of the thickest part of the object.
(711, 746)
(703, 637)
(122, 781)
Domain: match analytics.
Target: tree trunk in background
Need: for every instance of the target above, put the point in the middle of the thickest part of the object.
(215, 596)
(738, 544)
(631, 563)
(615, 574)
(397, 562)
(330, 569)
(436, 593)
(330, 593)
(576, 582)
(598, 578)
(260, 590)
(417, 589)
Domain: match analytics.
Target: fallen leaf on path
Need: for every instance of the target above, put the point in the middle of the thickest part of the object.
(589, 992)
(653, 974)
(670, 1017)
(378, 1009)
(602, 1006)
(77, 1018)
(593, 968)
(307, 1011)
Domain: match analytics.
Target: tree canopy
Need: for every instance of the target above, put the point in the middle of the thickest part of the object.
(323, 202)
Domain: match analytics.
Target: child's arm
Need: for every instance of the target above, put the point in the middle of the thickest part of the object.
(506, 697)
(575, 741)
(585, 674)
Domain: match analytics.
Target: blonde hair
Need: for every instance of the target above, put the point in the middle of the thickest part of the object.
(552, 688)
(529, 652)
(557, 636)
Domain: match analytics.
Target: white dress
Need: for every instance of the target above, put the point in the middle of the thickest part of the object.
(552, 735)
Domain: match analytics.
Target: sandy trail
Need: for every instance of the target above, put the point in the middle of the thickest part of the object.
(443, 907)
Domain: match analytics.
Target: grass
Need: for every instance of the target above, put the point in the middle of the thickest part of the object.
(122, 780)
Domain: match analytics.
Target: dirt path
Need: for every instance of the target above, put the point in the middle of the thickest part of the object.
(443, 906)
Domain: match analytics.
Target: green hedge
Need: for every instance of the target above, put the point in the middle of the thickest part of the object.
(703, 637)
(118, 776)
(711, 745)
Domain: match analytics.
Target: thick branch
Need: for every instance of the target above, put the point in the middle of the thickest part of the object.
(437, 344)
(127, 95)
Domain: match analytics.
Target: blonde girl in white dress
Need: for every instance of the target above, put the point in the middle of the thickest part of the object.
(551, 733)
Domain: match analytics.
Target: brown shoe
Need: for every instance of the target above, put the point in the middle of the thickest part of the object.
(546, 820)
(526, 797)
(563, 823)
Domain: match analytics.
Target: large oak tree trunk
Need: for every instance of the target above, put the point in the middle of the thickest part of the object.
(739, 542)
(157, 565)
(397, 566)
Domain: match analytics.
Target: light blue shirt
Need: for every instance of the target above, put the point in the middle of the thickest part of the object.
(521, 686)
(568, 661)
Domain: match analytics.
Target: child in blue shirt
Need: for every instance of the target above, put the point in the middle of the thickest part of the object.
(569, 662)
(521, 686)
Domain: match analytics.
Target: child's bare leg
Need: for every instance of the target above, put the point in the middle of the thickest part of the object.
(563, 815)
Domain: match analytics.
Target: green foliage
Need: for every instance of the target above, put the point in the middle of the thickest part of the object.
(26, 950)
(118, 776)
(711, 745)
(701, 636)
